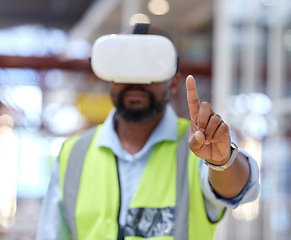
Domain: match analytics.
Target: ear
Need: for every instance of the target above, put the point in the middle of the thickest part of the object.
(175, 83)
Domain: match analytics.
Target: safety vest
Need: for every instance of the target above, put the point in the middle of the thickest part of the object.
(168, 203)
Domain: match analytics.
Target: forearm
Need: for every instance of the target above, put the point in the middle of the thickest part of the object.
(230, 182)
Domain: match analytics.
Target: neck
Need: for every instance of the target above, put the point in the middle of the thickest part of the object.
(133, 136)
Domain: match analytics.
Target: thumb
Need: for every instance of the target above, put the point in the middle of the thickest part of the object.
(196, 140)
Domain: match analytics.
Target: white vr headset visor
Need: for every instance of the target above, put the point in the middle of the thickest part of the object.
(134, 58)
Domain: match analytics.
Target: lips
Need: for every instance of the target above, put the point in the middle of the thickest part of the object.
(135, 95)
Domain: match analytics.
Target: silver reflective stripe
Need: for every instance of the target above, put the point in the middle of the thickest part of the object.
(182, 197)
(72, 178)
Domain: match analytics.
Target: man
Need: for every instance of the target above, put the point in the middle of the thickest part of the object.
(134, 177)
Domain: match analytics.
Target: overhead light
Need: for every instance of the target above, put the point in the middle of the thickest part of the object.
(139, 18)
(78, 48)
(158, 7)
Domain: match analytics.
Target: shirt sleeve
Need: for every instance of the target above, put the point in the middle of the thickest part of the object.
(52, 224)
(214, 204)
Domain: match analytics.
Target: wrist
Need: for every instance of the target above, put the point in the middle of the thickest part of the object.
(227, 162)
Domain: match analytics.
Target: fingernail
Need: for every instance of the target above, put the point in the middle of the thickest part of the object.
(207, 142)
(196, 138)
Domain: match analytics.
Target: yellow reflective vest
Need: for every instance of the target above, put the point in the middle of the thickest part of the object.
(168, 203)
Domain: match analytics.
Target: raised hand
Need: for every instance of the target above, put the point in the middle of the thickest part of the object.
(209, 135)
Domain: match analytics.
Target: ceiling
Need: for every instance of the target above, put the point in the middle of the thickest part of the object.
(111, 16)
(88, 18)
(51, 13)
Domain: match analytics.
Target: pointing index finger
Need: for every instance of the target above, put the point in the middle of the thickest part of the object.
(193, 98)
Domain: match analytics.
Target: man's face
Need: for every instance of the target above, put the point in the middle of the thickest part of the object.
(140, 102)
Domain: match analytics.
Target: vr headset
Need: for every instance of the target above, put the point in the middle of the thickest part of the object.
(134, 58)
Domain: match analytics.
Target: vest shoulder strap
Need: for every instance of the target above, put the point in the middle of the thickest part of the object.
(182, 191)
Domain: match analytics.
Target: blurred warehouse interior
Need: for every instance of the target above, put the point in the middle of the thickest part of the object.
(238, 50)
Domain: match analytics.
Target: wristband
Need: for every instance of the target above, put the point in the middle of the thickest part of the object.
(233, 154)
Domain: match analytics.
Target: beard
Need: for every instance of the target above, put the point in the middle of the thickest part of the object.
(140, 115)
